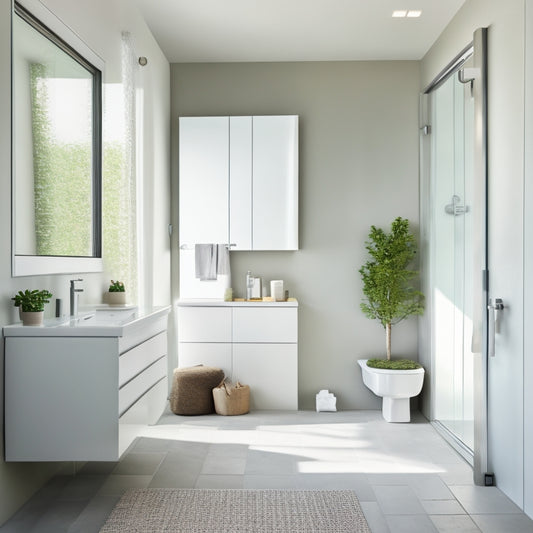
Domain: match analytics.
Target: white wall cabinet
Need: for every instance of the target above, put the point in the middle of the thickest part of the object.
(275, 183)
(257, 346)
(239, 181)
(82, 397)
(203, 184)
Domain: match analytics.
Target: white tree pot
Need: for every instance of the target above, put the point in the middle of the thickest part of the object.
(395, 387)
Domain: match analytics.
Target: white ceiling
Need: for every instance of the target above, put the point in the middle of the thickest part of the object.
(294, 30)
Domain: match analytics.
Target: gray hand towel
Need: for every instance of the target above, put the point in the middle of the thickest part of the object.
(205, 259)
(223, 267)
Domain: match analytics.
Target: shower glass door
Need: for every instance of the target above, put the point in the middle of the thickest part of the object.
(452, 148)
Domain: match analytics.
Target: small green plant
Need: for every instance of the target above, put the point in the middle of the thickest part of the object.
(117, 286)
(32, 300)
(387, 278)
(398, 364)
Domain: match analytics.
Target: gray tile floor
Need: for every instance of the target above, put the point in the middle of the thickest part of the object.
(405, 476)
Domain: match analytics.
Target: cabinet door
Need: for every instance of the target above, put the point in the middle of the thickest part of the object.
(275, 183)
(271, 371)
(206, 353)
(240, 205)
(203, 180)
(265, 325)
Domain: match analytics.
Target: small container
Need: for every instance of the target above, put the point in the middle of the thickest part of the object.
(228, 295)
(276, 290)
(326, 401)
(59, 308)
(256, 289)
(249, 285)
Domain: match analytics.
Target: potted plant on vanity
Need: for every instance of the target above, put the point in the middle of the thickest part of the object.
(117, 293)
(31, 306)
(390, 297)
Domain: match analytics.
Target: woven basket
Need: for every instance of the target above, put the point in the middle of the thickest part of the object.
(231, 400)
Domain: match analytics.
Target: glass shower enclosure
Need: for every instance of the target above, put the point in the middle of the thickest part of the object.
(453, 238)
(452, 112)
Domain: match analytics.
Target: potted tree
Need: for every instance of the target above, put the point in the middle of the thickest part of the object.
(117, 293)
(390, 297)
(31, 305)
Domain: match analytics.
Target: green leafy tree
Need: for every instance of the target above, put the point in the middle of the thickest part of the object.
(387, 278)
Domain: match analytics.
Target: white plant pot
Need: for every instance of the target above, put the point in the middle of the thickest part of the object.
(395, 387)
(32, 318)
(116, 298)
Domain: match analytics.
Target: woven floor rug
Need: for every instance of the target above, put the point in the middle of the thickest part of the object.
(236, 511)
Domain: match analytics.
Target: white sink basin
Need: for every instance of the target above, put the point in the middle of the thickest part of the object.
(104, 317)
(96, 322)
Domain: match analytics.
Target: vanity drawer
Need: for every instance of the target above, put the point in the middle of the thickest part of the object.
(204, 324)
(133, 390)
(134, 361)
(265, 325)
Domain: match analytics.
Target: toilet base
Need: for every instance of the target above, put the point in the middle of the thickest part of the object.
(396, 409)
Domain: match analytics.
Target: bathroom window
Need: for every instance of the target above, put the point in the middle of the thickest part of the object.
(56, 151)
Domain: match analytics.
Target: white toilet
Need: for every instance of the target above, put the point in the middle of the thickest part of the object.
(395, 386)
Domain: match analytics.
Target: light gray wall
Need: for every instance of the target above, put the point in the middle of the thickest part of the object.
(358, 166)
(507, 380)
(99, 23)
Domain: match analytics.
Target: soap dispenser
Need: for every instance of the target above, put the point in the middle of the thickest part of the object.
(249, 285)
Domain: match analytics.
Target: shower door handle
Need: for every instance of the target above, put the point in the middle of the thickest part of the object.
(495, 310)
(455, 208)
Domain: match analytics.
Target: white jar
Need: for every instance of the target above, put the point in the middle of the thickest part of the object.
(276, 290)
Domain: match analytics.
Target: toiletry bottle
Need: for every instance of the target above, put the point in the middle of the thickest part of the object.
(249, 285)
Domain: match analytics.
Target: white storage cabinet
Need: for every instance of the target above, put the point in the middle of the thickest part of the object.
(253, 343)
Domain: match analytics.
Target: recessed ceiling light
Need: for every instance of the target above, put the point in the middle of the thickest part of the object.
(402, 13)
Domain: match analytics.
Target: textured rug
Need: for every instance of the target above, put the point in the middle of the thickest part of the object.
(235, 511)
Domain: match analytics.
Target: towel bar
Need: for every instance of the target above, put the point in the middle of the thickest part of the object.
(191, 246)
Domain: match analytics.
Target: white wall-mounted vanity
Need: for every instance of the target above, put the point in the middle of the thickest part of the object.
(82, 389)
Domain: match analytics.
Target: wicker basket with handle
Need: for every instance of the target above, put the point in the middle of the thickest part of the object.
(231, 400)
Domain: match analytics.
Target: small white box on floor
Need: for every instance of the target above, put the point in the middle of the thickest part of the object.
(326, 401)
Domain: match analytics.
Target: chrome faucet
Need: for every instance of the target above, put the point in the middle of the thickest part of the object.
(74, 297)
